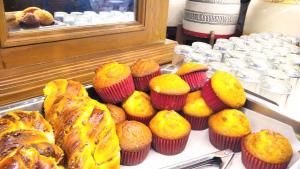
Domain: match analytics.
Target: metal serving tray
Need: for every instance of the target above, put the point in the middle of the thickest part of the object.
(254, 105)
(254, 102)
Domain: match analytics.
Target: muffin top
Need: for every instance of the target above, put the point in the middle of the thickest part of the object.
(133, 135)
(269, 146)
(170, 125)
(144, 67)
(117, 113)
(228, 89)
(191, 67)
(139, 104)
(169, 84)
(110, 74)
(196, 106)
(230, 122)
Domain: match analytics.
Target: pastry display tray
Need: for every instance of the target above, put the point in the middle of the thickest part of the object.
(261, 113)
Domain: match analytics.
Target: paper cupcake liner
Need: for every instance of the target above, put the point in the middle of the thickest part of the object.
(211, 99)
(130, 158)
(196, 80)
(142, 83)
(167, 102)
(252, 162)
(144, 120)
(169, 146)
(197, 123)
(222, 142)
(117, 92)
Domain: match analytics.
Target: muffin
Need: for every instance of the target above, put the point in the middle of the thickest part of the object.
(266, 150)
(222, 91)
(135, 142)
(143, 70)
(227, 128)
(170, 132)
(196, 111)
(117, 113)
(168, 92)
(45, 17)
(194, 74)
(113, 82)
(139, 108)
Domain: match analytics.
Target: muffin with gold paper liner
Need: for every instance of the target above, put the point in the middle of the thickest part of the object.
(113, 82)
(143, 70)
(170, 132)
(266, 149)
(223, 91)
(196, 111)
(139, 108)
(194, 74)
(168, 92)
(135, 142)
(227, 129)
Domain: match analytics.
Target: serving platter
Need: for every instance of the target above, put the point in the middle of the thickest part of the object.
(261, 113)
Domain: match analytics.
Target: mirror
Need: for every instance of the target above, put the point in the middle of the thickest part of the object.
(24, 15)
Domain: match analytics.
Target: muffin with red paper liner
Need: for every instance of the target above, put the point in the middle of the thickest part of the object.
(117, 113)
(168, 92)
(227, 129)
(139, 108)
(143, 70)
(196, 111)
(170, 132)
(113, 82)
(266, 150)
(194, 74)
(135, 142)
(223, 91)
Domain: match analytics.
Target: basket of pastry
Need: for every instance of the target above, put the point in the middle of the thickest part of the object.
(137, 117)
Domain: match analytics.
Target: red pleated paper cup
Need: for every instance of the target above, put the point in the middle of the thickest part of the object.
(118, 92)
(142, 83)
(167, 102)
(222, 142)
(169, 146)
(252, 162)
(130, 158)
(197, 123)
(144, 120)
(196, 80)
(211, 98)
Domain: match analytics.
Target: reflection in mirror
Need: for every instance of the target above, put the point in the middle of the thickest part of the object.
(44, 14)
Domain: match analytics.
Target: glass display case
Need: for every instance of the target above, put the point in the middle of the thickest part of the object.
(71, 38)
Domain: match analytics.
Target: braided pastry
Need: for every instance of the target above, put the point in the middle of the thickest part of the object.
(82, 126)
(27, 141)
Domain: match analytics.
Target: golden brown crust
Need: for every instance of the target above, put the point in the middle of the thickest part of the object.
(269, 146)
(191, 67)
(117, 113)
(228, 89)
(196, 106)
(139, 105)
(45, 17)
(144, 67)
(169, 125)
(86, 132)
(169, 84)
(133, 135)
(110, 74)
(230, 122)
(27, 141)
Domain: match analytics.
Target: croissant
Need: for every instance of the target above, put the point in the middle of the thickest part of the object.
(82, 126)
(27, 141)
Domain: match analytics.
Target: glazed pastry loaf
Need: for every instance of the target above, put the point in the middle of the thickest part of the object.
(27, 141)
(83, 127)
